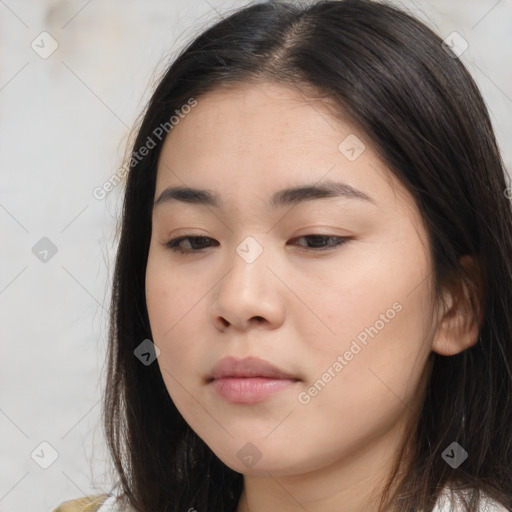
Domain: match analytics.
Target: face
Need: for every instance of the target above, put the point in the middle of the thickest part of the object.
(332, 287)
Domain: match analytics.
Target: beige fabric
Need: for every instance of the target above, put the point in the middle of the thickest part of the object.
(87, 504)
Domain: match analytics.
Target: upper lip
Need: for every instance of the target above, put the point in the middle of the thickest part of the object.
(247, 367)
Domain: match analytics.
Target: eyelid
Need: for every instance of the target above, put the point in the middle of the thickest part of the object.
(173, 243)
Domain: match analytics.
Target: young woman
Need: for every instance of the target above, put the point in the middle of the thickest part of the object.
(313, 286)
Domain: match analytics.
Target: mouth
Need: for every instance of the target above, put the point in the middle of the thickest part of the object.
(249, 380)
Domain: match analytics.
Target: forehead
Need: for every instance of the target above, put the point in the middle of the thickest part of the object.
(264, 137)
(256, 115)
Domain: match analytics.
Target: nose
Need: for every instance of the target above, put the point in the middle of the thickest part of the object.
(249, 294)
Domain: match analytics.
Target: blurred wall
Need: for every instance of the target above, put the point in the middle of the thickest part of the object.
(73, 77)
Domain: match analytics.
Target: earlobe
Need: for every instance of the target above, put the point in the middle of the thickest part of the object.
(461, 316)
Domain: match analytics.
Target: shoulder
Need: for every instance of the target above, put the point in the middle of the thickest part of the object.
(99, 503)
(453, 503)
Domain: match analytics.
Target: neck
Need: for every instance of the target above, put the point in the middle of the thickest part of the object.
(353, 483)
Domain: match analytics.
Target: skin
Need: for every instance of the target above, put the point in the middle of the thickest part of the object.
(295, 306)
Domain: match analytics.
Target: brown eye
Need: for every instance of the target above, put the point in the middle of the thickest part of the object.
(199, 243)
(196, 243)
(323, 242)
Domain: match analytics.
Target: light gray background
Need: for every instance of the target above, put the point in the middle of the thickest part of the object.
(64, 121)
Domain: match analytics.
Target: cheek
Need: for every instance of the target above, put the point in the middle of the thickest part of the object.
(346, 296)
(373, 313)
(170, 293)
(173, 302)
(172, 307)
(363, 380)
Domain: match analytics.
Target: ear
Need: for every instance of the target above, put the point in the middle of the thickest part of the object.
(461, 313)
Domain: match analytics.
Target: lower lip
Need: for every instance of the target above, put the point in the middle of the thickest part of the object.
(249, 390)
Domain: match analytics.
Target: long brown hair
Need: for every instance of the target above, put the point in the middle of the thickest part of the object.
(423, 113)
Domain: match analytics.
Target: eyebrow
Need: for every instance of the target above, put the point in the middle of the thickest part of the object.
(281, 198)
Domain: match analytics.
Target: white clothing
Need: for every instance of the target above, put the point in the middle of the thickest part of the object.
(442, 505)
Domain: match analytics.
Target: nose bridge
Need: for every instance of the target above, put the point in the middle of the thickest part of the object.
(248, 266)
(247, 291)
(250, 249)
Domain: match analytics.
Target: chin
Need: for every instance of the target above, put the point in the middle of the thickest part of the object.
(249, 460)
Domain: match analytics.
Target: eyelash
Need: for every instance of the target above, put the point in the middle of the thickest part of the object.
(173, 244)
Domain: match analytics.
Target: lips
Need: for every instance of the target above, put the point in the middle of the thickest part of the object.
(231, 367)
(249, 380)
